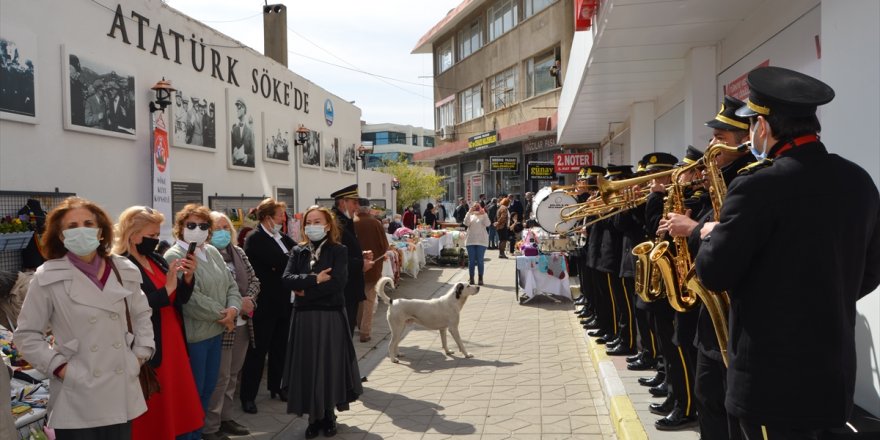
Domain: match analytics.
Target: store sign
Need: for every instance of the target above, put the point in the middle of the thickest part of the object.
(541, 171)
(504, 163)
(160, 171)
(487, 139)
(570, 163)
(739, 87)
(540, 144)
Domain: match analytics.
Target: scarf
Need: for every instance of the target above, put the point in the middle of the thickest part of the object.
(230, 254)
(315, 248)
(90, 270)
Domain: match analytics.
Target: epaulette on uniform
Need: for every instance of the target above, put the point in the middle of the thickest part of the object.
(698, 194)
(755, 166)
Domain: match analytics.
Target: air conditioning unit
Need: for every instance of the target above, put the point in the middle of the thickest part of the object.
(446, 132)
(482, 165)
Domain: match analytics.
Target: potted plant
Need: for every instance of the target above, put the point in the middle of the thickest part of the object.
(14, 234)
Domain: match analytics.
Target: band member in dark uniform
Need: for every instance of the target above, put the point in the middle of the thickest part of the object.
(587, 299)
(711, 373)
(791, 298)
(345, 209)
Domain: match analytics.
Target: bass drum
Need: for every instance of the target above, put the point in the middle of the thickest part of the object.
(548, 205)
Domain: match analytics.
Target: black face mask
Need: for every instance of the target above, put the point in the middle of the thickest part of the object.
(147, 245)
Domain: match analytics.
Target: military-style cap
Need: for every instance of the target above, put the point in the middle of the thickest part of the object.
(240, 103)
(640, 166)
(592, 170)
(349, 192)
(691, 155)
(659, 161)
(783, 91)
(726, 119)
(618, 172)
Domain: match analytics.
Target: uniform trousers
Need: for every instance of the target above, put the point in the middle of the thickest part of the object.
(623, 289)
(709, 388)
(647, 340)
(605, 312)
(755, 431)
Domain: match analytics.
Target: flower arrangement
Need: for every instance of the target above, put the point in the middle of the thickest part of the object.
(9, 225)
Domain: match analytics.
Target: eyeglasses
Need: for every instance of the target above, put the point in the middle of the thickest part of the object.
(202, 226)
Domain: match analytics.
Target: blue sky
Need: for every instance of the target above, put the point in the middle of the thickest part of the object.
(373, 36)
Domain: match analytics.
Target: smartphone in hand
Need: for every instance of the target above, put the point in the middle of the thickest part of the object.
(192, 249)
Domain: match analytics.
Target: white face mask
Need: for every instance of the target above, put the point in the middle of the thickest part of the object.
(763, 153)
(276, 228)
(195, 235)
(81, 241)
(316, 232)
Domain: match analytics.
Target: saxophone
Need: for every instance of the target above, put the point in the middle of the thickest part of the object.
(717, 303)
(648, 284)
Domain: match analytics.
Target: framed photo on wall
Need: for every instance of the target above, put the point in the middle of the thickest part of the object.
(331, 155)
(311, 150)
(98, 96)
(194, 121)
(18, 74)
(277, 139)
(243, 124)
(349, 160)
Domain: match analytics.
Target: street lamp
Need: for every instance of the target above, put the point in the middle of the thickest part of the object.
(163, 91)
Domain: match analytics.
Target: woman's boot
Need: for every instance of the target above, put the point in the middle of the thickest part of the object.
(480, 281)
(501, 246)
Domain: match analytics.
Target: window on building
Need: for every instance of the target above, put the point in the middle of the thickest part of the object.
(446, 115)
(368, 137)
(470, 39)
(501, 17)
(383, 190)
(369, 190)
(396, 137)
(471, 103)
(415, 139)
(538, 79)
(532, 7)
(502, 89)
(429, 141)
(444, 56)
(384, 137)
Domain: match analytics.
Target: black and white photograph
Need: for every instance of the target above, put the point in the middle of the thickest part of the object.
(276, 139)
(349, 159)
(243, 127)
(18, 50)
(311, 150)
(194, 118)
(331, 155)
(99, 99)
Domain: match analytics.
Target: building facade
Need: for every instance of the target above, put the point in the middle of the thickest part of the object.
(645, 76)
(394, 142)
(497, 80)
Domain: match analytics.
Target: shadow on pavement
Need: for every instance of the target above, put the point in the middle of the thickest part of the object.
(426, 361)
(412, 414)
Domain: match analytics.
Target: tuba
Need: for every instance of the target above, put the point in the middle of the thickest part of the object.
(717, 303)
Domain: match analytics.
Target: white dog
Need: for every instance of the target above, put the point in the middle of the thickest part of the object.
(434, 314)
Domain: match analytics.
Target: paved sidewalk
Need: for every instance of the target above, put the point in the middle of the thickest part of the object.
(531, 376)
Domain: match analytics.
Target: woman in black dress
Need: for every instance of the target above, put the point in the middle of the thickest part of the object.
(321, 372)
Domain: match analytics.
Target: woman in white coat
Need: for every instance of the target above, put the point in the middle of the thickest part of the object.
(477, 222)
(81, 294)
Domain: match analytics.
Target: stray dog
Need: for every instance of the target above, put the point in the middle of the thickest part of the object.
(434, 314)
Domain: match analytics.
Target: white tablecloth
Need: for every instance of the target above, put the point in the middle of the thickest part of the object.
(534, 282)
(413, 262)
(433, 246)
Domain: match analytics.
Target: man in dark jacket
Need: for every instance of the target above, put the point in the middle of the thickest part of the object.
(345, 209)
(792, 300)
(461, 210)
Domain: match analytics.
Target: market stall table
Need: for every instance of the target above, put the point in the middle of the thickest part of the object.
(545, 275)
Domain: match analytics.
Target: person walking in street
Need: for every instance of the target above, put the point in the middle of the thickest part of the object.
(501, 219)
(175, 409)
(267, 249)
(321, 373)
(87, 296)
(492, 212)
(214, 304)
(477, 240)
(371, 236)
(235, 345)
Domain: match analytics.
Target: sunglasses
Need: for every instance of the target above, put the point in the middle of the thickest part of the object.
(202, 226)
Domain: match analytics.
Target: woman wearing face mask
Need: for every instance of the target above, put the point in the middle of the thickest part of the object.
(267, 248)
(87, 296)
(214, 304)
(218, 420)
(321, 370)
(175, 410)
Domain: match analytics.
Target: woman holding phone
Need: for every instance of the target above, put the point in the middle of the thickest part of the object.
(215, 301)
(321, 370)
(477, 222)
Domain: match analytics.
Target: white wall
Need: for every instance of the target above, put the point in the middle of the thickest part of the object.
(669, 131)
(375, 185)
(115, 172)
(851, 65)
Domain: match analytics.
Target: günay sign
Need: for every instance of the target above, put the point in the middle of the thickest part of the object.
(571, 162)
(172, 45)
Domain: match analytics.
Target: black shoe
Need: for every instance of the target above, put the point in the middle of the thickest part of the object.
(675, 421)
(662, 409)
(581, 300)
(652, 381)
(605, 339)
(635, 357)
(313, 430)
(596, 333)
(329, 428)
(591, 325)
(480, 281)
(661, 390)
(471, 281)
(615, 340)
(583, 312)
(249, 407)
(282, 395)
(620, 350)
(642, 365)
(233, 428)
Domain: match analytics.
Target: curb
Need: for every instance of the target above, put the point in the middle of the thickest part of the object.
(623, 414)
